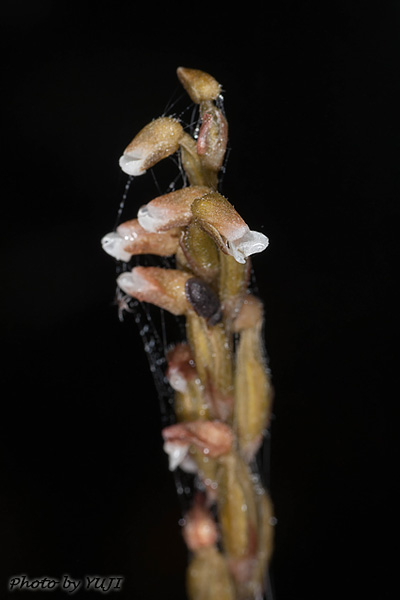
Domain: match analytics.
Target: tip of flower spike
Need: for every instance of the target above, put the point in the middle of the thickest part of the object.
(199, 85)
(132, 165)
(113, 243)
(252, 242)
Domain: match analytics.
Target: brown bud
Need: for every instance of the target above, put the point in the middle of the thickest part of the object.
(237, 507)
(181, 368)
(190, 399)
(200, 86)
(212, 139)
(250, 314)
(253, 390)
(213, 360)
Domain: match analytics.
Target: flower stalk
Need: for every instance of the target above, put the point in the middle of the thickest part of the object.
(218, 373)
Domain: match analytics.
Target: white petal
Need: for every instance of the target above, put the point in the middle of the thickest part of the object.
(150, 218)
(131, 283)
(251, 242)
(113, 244)
(176, 454)
(132, 165)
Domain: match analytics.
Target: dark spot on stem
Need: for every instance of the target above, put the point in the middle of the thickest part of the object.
(204, 300)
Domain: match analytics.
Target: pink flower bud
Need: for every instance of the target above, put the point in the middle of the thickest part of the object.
(199, 530)
(181, 367)
(212, 139)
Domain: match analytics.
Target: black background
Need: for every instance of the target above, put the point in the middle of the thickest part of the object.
(310, 94)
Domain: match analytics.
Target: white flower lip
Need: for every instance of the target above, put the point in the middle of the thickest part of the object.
(113, 244)
(178, 457)
(132, 283)
(150, 218)
(249, 243)
(132, 164)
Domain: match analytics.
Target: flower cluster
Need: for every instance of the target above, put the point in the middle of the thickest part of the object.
(218, 373)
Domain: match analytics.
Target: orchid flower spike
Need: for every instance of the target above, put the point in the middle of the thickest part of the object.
(157, 140)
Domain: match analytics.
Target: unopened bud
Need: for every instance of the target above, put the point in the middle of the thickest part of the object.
(253, 389)
(199, 530)
(237, 508)
(250, 314)
(212, 139)
(181, 367)
(213, 359)
(200, 86)
(208, 577)
(190, 399)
